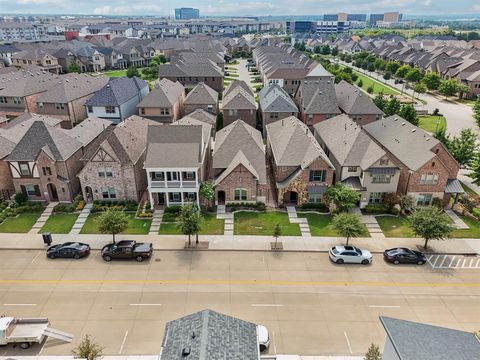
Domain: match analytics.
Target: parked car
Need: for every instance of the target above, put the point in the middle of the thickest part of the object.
(127, 249)
(404, 256)
(263, 338)
(350, 255)
(74, 250)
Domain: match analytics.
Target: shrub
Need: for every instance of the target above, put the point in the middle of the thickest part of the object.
(314, 206)
(246, 206)
(21, 198)
(468, 203)
(437, 202)
(476, 212)
(391, 199)
(359, 83)
(377, 209)
(64, 208)
(370, 89)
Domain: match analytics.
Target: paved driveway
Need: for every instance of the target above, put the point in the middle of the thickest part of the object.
(310, 306)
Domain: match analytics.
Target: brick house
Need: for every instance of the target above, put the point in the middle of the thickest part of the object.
(239, 103)
(301, 169)
(36, 57)
(164, 103)
(239, 167)
(66, 100)
(114, 168)
(203, 97)
(427, 169)
(46, 160)
(275, 104)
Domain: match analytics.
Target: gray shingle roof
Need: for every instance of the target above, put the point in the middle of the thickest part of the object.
(22, 83)
(201, 94)
(182, 69)
(165, 94)
(73, 86)
(353, 101)
(203, 116)
(210, 336)
(410, 144)
(273, 98)
(416, 341)
(318, 97)
(117, 92)
(237, 83)
(238, 98)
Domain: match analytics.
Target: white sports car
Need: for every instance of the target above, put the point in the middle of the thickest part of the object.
(350, 255)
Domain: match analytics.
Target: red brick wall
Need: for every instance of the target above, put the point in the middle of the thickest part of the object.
(249, 116)
(447, 160)
(238, 178)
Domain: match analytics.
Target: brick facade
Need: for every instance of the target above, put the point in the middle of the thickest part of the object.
(215, 82)
(247, 115)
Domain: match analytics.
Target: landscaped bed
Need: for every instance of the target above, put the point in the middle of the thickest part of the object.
(209, 225)
(22, 223)
(59, 223)
(135, 226)
(263, 223)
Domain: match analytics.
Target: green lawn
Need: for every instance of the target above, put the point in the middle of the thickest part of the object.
(135, 226)
(59, 223)
(429, 123)
(262, 223)
(377, 86)
(210, 225)
(116, 73)
(20, 224)
(321, 225)
(473, 232)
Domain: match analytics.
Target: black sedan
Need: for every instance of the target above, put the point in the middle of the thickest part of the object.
(404, 256)
(74, 250)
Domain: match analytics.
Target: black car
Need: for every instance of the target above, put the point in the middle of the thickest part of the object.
(74, 250)
(127, 249)
(404, 256)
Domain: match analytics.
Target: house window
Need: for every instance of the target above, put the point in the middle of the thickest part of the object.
(381, 178)
(40, 105)
(172, 176)
(17, 100)
(318, 175)
(190, 196)
(424, 199)
(158, 176)
(232, 112)
(90, 109)
(3, 100)
(108, 172)
(47, 171)
(24, 169)
(109, 193)
(142, 111)
(376, 198)
(209, 107)
(174, 197)
(190, 175)
(274, 115)
(48, 62)
(383, 161)
(59, 106)
(352, 169)
(30, 189)
(101, 172)
(315, 197)
(429, 179)
(110, 109)
(164, 111)
(240, 194)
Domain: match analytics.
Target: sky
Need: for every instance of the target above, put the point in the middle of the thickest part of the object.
(239, 7)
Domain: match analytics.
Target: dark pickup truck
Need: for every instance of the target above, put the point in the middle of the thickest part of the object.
(127, 249)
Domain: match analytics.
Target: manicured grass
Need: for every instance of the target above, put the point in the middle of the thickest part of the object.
(472, 233)
(377, 86)
(321, 225)
(469, 102)
(394, 226)
(262, 223)
(210, 225)
(116, 73)
(429, 123)
(59, 223)
(135, 226)
(20, 224)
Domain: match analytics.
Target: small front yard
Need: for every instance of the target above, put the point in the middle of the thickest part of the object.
(431, 123)
(20, 224)
(116, 73)
(135, 226)
(210, 225)
(262, 223)
(59, 223)
(321, 225)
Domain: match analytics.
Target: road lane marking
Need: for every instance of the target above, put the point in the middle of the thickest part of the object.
(145, 304)
(35, 258)
(383, 306)
(451, 262)
(19, 304)
(348, 342)
(274, 343)
(267, 305)
(123, 342)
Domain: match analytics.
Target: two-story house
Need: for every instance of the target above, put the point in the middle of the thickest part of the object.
(275, 104)
(176, 163)
(239, 166)
(114, 168)
(427, 169)
(164, 103)
(239, 103)
(45, 162)
(203, 97)
(36, 57)
(301, 169)
(118, 99)
(360, 163)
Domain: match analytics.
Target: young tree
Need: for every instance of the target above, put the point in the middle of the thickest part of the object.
(392, 66)
(132, 71)
(277, 232)
(407, 204)
(413, 75)
(360, 83)
(373, 353)
(74, 68)
(464, 147)
(463, 89)
(431, 224)
(387, 75)
(476, 111)
(189, 221)
(475, 169)
(88, 349)
(344, 197)
(112, 222)
(334, 51)
(432, 80)
(448, 87)
(207, 190)
(402, 71)
(409, 113)
(348, 225)
(380, 101)
(325, 50)
(370, 89)
(420, 88)
(392, 107)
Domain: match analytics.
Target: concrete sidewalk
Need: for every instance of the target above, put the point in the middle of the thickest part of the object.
(245, 242)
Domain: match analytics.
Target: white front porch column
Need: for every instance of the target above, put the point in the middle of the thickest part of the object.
(150, 195)
(181, 181)
(198, 199)
(166, 199)
(181, 197)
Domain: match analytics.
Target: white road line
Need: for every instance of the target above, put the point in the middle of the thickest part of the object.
(451, 262)
(457, 264)
(274, 343)
(429, 257)
(436, 259)
(476, 265)
(463, 264)
(145, 304)
(36, 256)
(19, 304)
(444, 258)
(471, 263)
(383, 306)
(123, 342)
(267, 305)
(348, 342)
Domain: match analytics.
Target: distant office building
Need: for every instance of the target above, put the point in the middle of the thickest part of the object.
(301, 27)
(374, 18)
(357, 17)
(332, 27)
(186, 13)
(21, 31)
(330, 17)
(388, 17)
(345, 17)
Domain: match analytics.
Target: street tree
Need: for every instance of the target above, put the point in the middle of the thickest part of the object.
(432, 80)
(463, 89)
(88, 349)
(420, 88)
(380, 101)
(431, 224)
(392, 66)
(387, 75)
(189, 221)
(343, 197)
(409, 113)
(113, 222)
(413, 75)
(334, 51)
(348, 225)
(277, 232)
(373, 353)
(464, 147)
(448, 87)
(475, 169)
(402, 71)
(392, 106)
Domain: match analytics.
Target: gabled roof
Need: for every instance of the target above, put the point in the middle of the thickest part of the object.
(293, 144)
(348, 143)
(237, 83)
(416, 341)
(353, 101)
(117, 92)
(165, 94)
(319, 71)
(239, 137)
(202, 116)
(22, 82)
(201, 94)
(73, 86)
(182, 68)
(239, 98)
(318, 97)
(216, 336)
(273, 98)
(410, 144)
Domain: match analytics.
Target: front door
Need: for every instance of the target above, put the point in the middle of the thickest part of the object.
(161, 198)
(52, 192)
(293, 197)
(221, 197)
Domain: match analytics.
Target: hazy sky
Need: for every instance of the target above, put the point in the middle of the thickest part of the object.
(239, 7)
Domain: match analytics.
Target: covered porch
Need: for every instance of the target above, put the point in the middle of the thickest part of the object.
(163, 199)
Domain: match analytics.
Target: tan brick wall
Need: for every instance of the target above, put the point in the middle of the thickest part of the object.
(238, 178)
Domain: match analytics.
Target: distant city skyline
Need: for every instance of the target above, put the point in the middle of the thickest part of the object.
(237, 8)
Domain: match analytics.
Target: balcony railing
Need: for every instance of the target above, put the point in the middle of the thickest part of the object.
(173, 184)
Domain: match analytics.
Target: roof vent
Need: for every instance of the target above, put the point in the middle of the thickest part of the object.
(413, 130)
(193, 335)
(396, 119)
(403, 123)
(186, 351)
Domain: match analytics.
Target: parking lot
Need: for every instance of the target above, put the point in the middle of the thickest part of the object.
(453, 261)
(310, 305)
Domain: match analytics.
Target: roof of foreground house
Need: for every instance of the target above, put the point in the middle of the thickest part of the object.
(353, 101)
(73, 86)
(239, 98)
(201, 94)
(273, 98)
(164, 94)
(203, 116)
(318, 97)
(117, 91)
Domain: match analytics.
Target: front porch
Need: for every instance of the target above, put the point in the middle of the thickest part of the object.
(163, 199)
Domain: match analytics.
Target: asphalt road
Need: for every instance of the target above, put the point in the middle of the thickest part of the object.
(310, 306)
